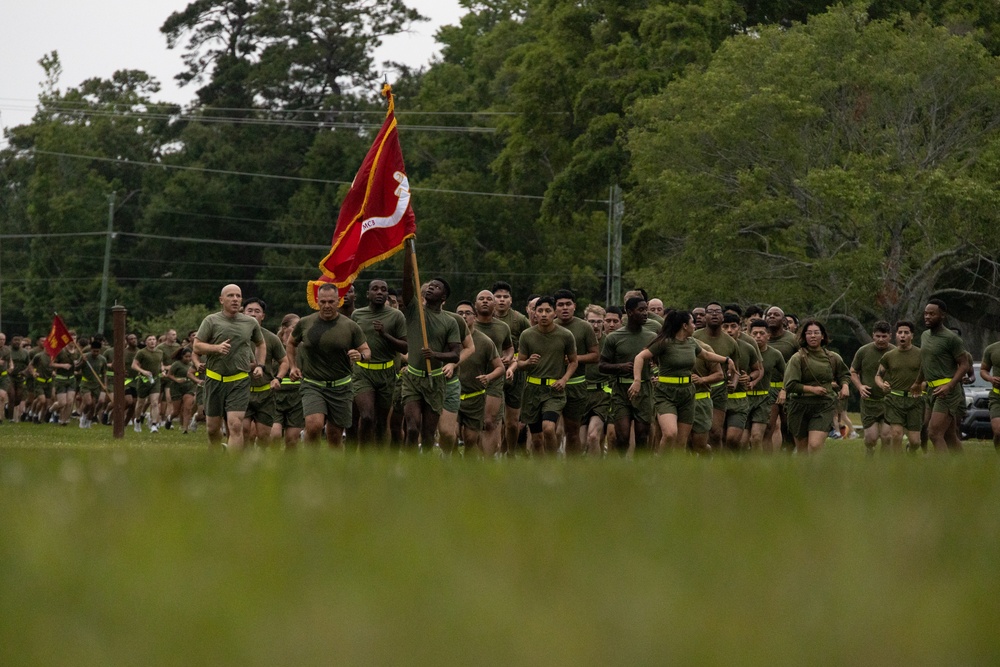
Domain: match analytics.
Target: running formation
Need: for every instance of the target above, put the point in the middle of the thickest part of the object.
(493, 381)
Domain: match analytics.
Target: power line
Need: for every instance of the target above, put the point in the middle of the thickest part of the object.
(289, 178)
(152, 105)
(277, 122)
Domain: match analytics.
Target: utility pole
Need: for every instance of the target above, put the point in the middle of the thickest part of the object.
(107, 263)
(107, 256)
(617, 208)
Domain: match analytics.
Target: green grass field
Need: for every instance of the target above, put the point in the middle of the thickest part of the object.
(156, 551)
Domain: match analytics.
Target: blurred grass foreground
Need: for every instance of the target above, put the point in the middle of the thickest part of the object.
(161, 552)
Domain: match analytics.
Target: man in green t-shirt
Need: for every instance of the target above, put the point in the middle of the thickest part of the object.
(618, 354)
(548, 355)
(93, 385)
(863, 371)
(488, 324)
(944, 363)
(750, 371)
(897, 374)
(478, 372)
(260, 414)
(503, 301)
(991, 362)
(148, 364)
(423, 383)
(232, 348)
(722, 344)
(320, 350)
(762, 395)
(375, 380)
(587, 352)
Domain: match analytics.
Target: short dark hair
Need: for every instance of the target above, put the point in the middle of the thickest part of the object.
(753, 311)
(617, 310)
(730, 318)
(258, 301)
(633, 302)
(734, 307)
(564, 294)
(757, 322)
(546, 299)
(502, 284)
(908, 324)
(795, 318)
(444, 283)
(392, 291)
(532, 296)
(881, 327)
(464, 302)
(96, 342)
(939, 303)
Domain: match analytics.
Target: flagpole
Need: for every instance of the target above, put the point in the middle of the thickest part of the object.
(412, 248)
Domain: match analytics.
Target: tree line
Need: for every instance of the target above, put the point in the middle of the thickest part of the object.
(840, 161)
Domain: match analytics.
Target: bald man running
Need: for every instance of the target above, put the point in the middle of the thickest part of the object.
(232, 347)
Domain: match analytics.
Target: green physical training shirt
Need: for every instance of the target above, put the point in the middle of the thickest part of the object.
(150, 360)
(243, 334)
(478, 363)
(818, 368)
(322, 345)
(585, 338)
(442, 330)
(553, 347)
(902, 368)
(393, 323)
(621, 346)
(866, 362)
(675, 358)
(517, 322)
(723, 344)
(940, 353)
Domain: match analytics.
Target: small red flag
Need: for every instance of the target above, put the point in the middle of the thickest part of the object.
(376, 218)
(58, 337)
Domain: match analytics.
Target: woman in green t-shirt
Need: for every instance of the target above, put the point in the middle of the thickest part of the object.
(182, 386)
(814, 378)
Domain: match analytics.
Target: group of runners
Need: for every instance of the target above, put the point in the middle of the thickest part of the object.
(405, 370)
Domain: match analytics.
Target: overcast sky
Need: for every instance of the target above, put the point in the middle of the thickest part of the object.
(95, 38)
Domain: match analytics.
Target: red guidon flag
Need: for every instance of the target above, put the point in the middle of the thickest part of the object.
(58, 337)
(376, 218)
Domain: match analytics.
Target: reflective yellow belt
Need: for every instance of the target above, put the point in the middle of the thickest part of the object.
(288, 382)
(738, 394)
(473, 394)
(43, 380)
(64, 377)
(3, 373)
(995, 390)
(596, 386)
(717, 384)
(670, 379)
(578, 379)
(329, 384)
(779, 385)
(262, 388)
(542, 381)
(938, 383)
(627, 380)
(228, 378)
(758, 393)
(903, 393)
(422, 374)
(702, 395)
(367, 365)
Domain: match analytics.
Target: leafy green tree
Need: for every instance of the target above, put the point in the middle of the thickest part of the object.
(66, 197)
(844, 167)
